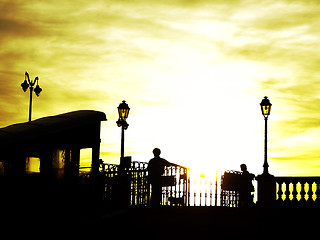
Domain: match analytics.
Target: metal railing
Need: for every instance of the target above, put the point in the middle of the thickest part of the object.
(139, 187)
(230, 189)
(202, 191)
(175, 186)
(130, 185)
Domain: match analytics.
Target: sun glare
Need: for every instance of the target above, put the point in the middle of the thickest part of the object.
(193, 76)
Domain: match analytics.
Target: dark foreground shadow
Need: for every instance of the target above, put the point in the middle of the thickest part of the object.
(204, 222)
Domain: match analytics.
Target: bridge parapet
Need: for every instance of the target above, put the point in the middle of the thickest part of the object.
(298, 191)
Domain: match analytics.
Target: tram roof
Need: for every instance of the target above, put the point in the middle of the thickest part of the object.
(46, 126)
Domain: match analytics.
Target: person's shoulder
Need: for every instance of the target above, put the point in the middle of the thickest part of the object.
(151, 160)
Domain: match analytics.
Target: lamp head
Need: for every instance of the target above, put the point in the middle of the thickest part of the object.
(38, 90)
(265, 106)
(25, 85)
(123, 110)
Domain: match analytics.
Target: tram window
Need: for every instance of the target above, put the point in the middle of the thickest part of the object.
(32, 165)
(85, 159)
(58, 163)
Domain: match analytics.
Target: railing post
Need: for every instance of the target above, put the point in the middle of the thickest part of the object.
(266, 190)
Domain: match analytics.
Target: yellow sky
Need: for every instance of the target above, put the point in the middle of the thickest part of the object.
(192, 72)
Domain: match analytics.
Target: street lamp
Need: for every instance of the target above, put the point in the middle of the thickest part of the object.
(265, 109)
(26, 84)
(123, 111)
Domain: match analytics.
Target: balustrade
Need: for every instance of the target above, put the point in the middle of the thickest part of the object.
(180, 189)
(298, 191)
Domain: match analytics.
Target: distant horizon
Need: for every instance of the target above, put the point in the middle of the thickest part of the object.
(197, 172)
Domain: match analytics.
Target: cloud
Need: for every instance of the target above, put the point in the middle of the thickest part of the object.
(169, 57)
(284, 15)
(295, 119)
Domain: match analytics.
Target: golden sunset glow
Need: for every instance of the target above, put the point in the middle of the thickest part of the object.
(192, 72)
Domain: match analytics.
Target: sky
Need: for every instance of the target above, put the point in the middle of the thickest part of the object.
(192, 72)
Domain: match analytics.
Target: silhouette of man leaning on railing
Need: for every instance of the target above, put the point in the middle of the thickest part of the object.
(246, 187)
(155, 170)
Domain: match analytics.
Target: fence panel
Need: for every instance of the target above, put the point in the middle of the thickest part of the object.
(230, 188)
(130, 185)
(175, 186)
(203, 192)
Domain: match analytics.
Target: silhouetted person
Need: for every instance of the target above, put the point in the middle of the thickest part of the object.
(246, 187)
(155, 170)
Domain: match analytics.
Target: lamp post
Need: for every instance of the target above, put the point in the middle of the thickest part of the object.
(265, 109)
(123, 111)
(123, 198)
(266, 181)
(26, 84)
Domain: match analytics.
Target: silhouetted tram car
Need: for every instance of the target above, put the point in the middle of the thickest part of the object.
(53, 158)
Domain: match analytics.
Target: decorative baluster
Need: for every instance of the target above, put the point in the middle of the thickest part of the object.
(311, 192)
(291, 191)
(294, 192)
(299, 185)
(287, 191)
(307, 195)
(313, 195)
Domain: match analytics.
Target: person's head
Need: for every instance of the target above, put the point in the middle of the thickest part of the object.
(243, 167)
(156, 152)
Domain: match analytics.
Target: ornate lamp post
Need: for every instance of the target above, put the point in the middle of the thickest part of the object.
(266, 182)
(265, 109)
(123, 111)
(26, 84)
